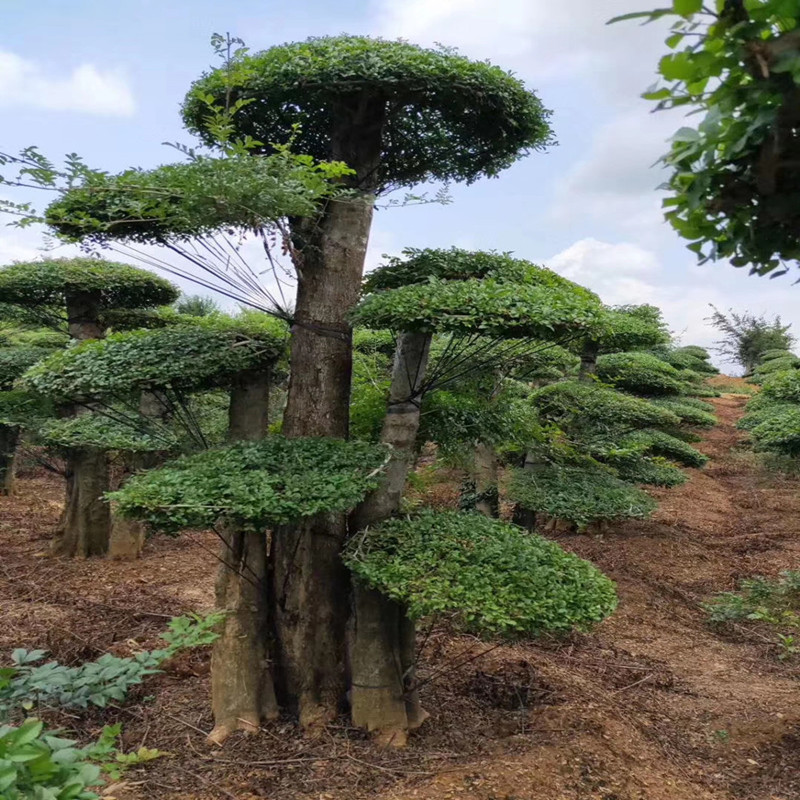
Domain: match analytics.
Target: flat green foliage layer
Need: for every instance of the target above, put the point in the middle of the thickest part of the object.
(630, 328)
(38, 765)
(769, 355)
(199, 354)
(777, 365)
(256, 485)
(15, 360)
(177, 202)
(99, 431)
(639, 373)
(489, 307)
(492, 577)
(683, 358)
(578, 495)
(691, 411)
(21, 409)
(782, 387)
(420, 266)
(571, 403)
(773, 603)
(46, 283)
(659, 443)
(646, 470)
(734, 173)
(446, 117)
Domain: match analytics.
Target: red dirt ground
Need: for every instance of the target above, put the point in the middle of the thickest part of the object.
(654, 705)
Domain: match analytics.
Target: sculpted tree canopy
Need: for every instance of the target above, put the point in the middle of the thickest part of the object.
(733, 175)
(432, 113)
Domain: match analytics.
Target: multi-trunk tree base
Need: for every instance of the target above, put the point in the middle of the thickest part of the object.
(85, 526)
(242, 691)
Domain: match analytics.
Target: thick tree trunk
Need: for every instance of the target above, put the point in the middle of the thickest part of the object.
(522, 516)
(588, 368)
(86, 522)
(85, 525)
(382, 651)
(248, 412)
(485, 474)
(310, 582)
(242, 689)
(9, 436)
(128, 535)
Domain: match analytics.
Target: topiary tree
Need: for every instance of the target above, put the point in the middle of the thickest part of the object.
(82, 289)
(140, 379)
(468, 296)
(622, 328)
(639, 373)
(397, 115)
(249, 487)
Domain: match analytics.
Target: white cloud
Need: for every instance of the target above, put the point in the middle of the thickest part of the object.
(615, 183)
(540, 39)
(87, 89)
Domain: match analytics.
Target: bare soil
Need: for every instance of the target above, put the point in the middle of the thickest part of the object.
(653, 705)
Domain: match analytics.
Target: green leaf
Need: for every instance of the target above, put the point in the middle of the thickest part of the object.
(687, 7)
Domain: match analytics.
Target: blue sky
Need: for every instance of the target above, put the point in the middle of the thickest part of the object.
(106, 80)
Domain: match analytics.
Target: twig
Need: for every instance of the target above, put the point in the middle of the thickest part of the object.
(631, 685)
(187, 724)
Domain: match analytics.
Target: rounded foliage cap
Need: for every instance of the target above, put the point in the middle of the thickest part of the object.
(490, 577)
(49, 282)
(200, 353)
(443, 116)
(465, 292)
(254, 484)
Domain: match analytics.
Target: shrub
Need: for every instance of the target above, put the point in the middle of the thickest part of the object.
(578, 495)
(45, 283)
(254, 484)
(488, 306)
(42, 766)
(639, 373)
(782, 387)
(29, 682)
(770, 355)
(205, 352)
(777, 365)
(104, 432)
(659, 443)
(654, 471)
(777, 428)
(592, 405)
(492, 577)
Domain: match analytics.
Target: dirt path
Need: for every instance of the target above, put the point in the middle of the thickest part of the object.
(654, 705)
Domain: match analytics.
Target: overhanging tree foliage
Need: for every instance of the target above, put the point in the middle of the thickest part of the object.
(82, 289)
(732, 188)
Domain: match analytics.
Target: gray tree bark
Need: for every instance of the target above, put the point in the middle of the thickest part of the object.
(85, 525)
(588, 368)
(310, 582)
(383, 698)
(242, 689)
(9, 436)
